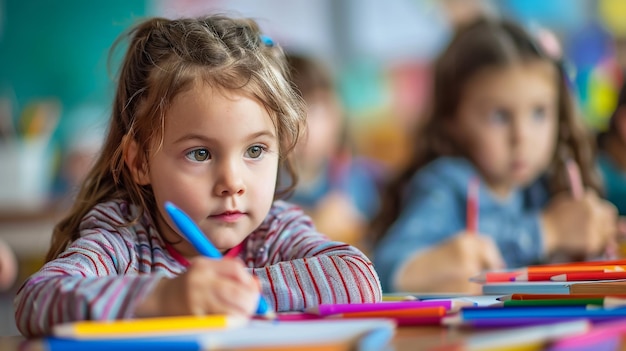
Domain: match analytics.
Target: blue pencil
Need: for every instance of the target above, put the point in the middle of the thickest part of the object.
(195, 236)
(475, 313)
(130, 344)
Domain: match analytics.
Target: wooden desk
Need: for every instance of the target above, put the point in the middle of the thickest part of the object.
(29, 233)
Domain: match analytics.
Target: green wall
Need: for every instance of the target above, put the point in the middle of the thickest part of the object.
(60, 48)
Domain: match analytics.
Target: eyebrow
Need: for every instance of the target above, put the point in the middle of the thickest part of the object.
(195, 136)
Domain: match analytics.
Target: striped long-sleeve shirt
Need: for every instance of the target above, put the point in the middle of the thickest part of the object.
(110, 268)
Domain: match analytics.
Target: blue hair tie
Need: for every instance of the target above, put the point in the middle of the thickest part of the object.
(267, 40)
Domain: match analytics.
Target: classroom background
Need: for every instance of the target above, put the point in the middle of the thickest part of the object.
(56, 81)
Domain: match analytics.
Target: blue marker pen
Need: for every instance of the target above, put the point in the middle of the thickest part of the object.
(195, 236)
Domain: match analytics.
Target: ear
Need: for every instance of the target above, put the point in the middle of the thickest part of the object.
(138, 171)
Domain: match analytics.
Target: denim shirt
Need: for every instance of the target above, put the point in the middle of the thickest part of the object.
(358, 180)
(434, 210)
(614, 182)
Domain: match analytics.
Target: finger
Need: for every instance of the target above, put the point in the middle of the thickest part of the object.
(231, 268)
(490, 254)
(236, 298)
(236, 270)
(591, 194)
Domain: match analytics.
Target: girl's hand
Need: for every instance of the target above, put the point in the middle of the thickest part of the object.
(337, 218)
(208, 287)
(8, 267)
(448, 266)
(579, 228)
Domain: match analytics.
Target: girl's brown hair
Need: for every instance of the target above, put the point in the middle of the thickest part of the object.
(164, 58)
(481, 44)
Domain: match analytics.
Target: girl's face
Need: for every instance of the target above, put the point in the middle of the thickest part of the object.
(218, 163)
(507, 123)
(324, 122)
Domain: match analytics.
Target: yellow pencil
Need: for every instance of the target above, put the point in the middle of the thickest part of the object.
(146, 326)
(390, 298)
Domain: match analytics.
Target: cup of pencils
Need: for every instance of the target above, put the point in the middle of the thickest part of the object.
(26, 156)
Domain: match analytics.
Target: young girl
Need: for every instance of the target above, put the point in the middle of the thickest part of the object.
(502, 117)
(204, 117)
(337, 190)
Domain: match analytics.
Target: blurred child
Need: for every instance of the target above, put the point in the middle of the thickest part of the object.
(8, 267)
(337, 190)
(501, 115)
(204, 116)
(612, 155)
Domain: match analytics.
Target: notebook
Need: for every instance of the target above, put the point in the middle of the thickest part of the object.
(362, 334)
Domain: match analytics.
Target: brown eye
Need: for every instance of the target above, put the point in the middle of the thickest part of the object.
(255, 151)
(198, 155)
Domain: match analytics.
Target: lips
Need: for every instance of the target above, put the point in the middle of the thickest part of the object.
(228, 216)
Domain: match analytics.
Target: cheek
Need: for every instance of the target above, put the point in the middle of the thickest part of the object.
(547, 138)
(488, 144)
(263, 180)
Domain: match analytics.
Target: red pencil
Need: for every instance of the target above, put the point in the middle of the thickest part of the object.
(575, 180)
(547, 276)
(577, 189)
(580, 276)
(496, 277)
(472, 205)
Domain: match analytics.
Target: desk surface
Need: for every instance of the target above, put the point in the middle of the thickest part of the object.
(405, 339)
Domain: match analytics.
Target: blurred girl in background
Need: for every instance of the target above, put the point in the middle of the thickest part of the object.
(337, 190)
(501, 118)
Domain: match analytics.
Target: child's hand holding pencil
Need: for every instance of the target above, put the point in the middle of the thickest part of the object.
(450, 265)
(211, 284)
(207, 287)
(579, 224)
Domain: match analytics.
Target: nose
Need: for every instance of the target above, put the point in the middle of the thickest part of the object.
(229, 180)
(519, 131)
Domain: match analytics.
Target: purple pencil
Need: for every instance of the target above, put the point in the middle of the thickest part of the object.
(489, 323)
(330, 309)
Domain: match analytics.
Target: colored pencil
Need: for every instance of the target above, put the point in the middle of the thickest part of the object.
(616, 262)
(296, 316)
(407, 312)
(390, 298)
(600, 301)
(146, 326)
(131, 344)
(584, 276)
(330, 309)
(559, 296)
(202, 244)
(592, 339)
(548, 276)
(577, 187)
(470, 313)
(560, 269)
(541, 272)
(497, 276)
(473, 188)
(491, 323)
(415, 321)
